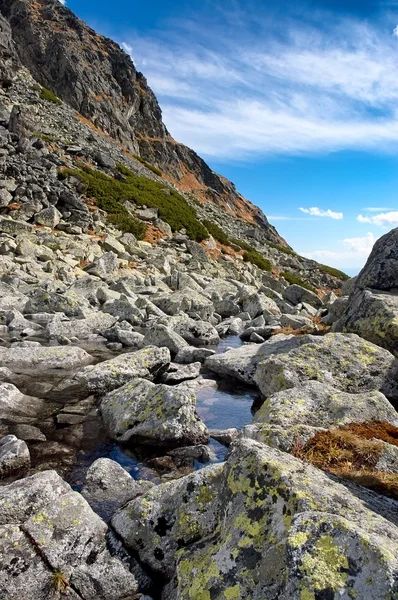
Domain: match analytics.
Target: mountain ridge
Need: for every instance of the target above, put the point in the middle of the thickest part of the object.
(99, 80)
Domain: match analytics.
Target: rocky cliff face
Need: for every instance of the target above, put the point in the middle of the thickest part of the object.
(94, 76)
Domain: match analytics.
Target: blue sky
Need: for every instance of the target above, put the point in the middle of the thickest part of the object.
(295, 103)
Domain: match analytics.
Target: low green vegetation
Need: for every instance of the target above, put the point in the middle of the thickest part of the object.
(281, 248)
(251, 255)
(111, 194)
(257, 259)
(148, 165)
(46, 137)
(292, 279)
(334, 272)
(48, 95)
(216, 232)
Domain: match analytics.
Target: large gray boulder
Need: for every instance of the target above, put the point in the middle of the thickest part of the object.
(300, 412)
(41, 360)
(381, 269)
(14, 456)
(373, 315)
(160, 335)
(241, 363)
(46, 529)
(344, 361)
(16, 407)
(141, 412)
(296, 294)
(96, 322)
(108, 486)
(116, 372)
(195, 332)
(286, 530)
(170, 517)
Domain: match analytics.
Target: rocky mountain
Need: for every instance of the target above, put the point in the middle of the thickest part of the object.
(187, 410)
(98, 79)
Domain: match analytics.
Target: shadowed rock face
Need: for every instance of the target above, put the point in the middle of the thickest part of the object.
(94, 76)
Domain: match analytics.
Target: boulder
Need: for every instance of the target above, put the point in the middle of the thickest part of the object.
(41, 360)
(381, 269)
(315, 405)
(108, 486)
(190, 354)
(344, 361)
(297, 322)
(14, 456)
(41, 301)
(48, 216)
(105, 266)
(187, 301)
(296, 294)
(241, 363)
(94, 323)
(196, 333)
(177, 373)
(256, 304)
(170, 517)
(49, 534)
(160, 335)
(15, 407)
(287, 530)
(114, 373)
(141, 412)
(374, 316)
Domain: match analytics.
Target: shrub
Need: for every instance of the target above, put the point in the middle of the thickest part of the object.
(147, 165)
(257, 259)
(128, 224)
(48, 95)
(281, 248)
(334, 272)
(216, 232)
(293, 279)
(242, 244)
(111, 194)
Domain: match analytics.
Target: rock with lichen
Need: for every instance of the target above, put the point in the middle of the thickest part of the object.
(52, 542)
(300, 412)
(287, 530)
(170, 517)
(141, 412)
(111, 374)
(345, 361)
(373, 315)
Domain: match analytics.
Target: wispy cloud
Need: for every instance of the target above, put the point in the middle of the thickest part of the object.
(381, 219)
(377, 208)
(318, 212)
(307, 87)
(352, 252)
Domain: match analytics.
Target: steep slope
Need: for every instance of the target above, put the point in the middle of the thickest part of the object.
(94, 76)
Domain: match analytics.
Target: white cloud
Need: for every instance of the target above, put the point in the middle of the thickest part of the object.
(318, 212)
(324, 87)
(377, 208)
(63, 2)
(361, 245)
(382, 219)
(395, 32)
(353, 252)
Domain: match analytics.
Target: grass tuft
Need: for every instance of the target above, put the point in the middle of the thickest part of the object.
(148, 165)
(352, 452)
(216, 232)
(48, 95)
(293, 279)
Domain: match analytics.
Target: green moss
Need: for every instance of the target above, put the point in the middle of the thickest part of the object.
(281, 248)
(48, 95)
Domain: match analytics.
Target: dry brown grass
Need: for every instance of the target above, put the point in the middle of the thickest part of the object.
(352, 452)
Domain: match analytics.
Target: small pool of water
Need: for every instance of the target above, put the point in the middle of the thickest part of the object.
(223, 405)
